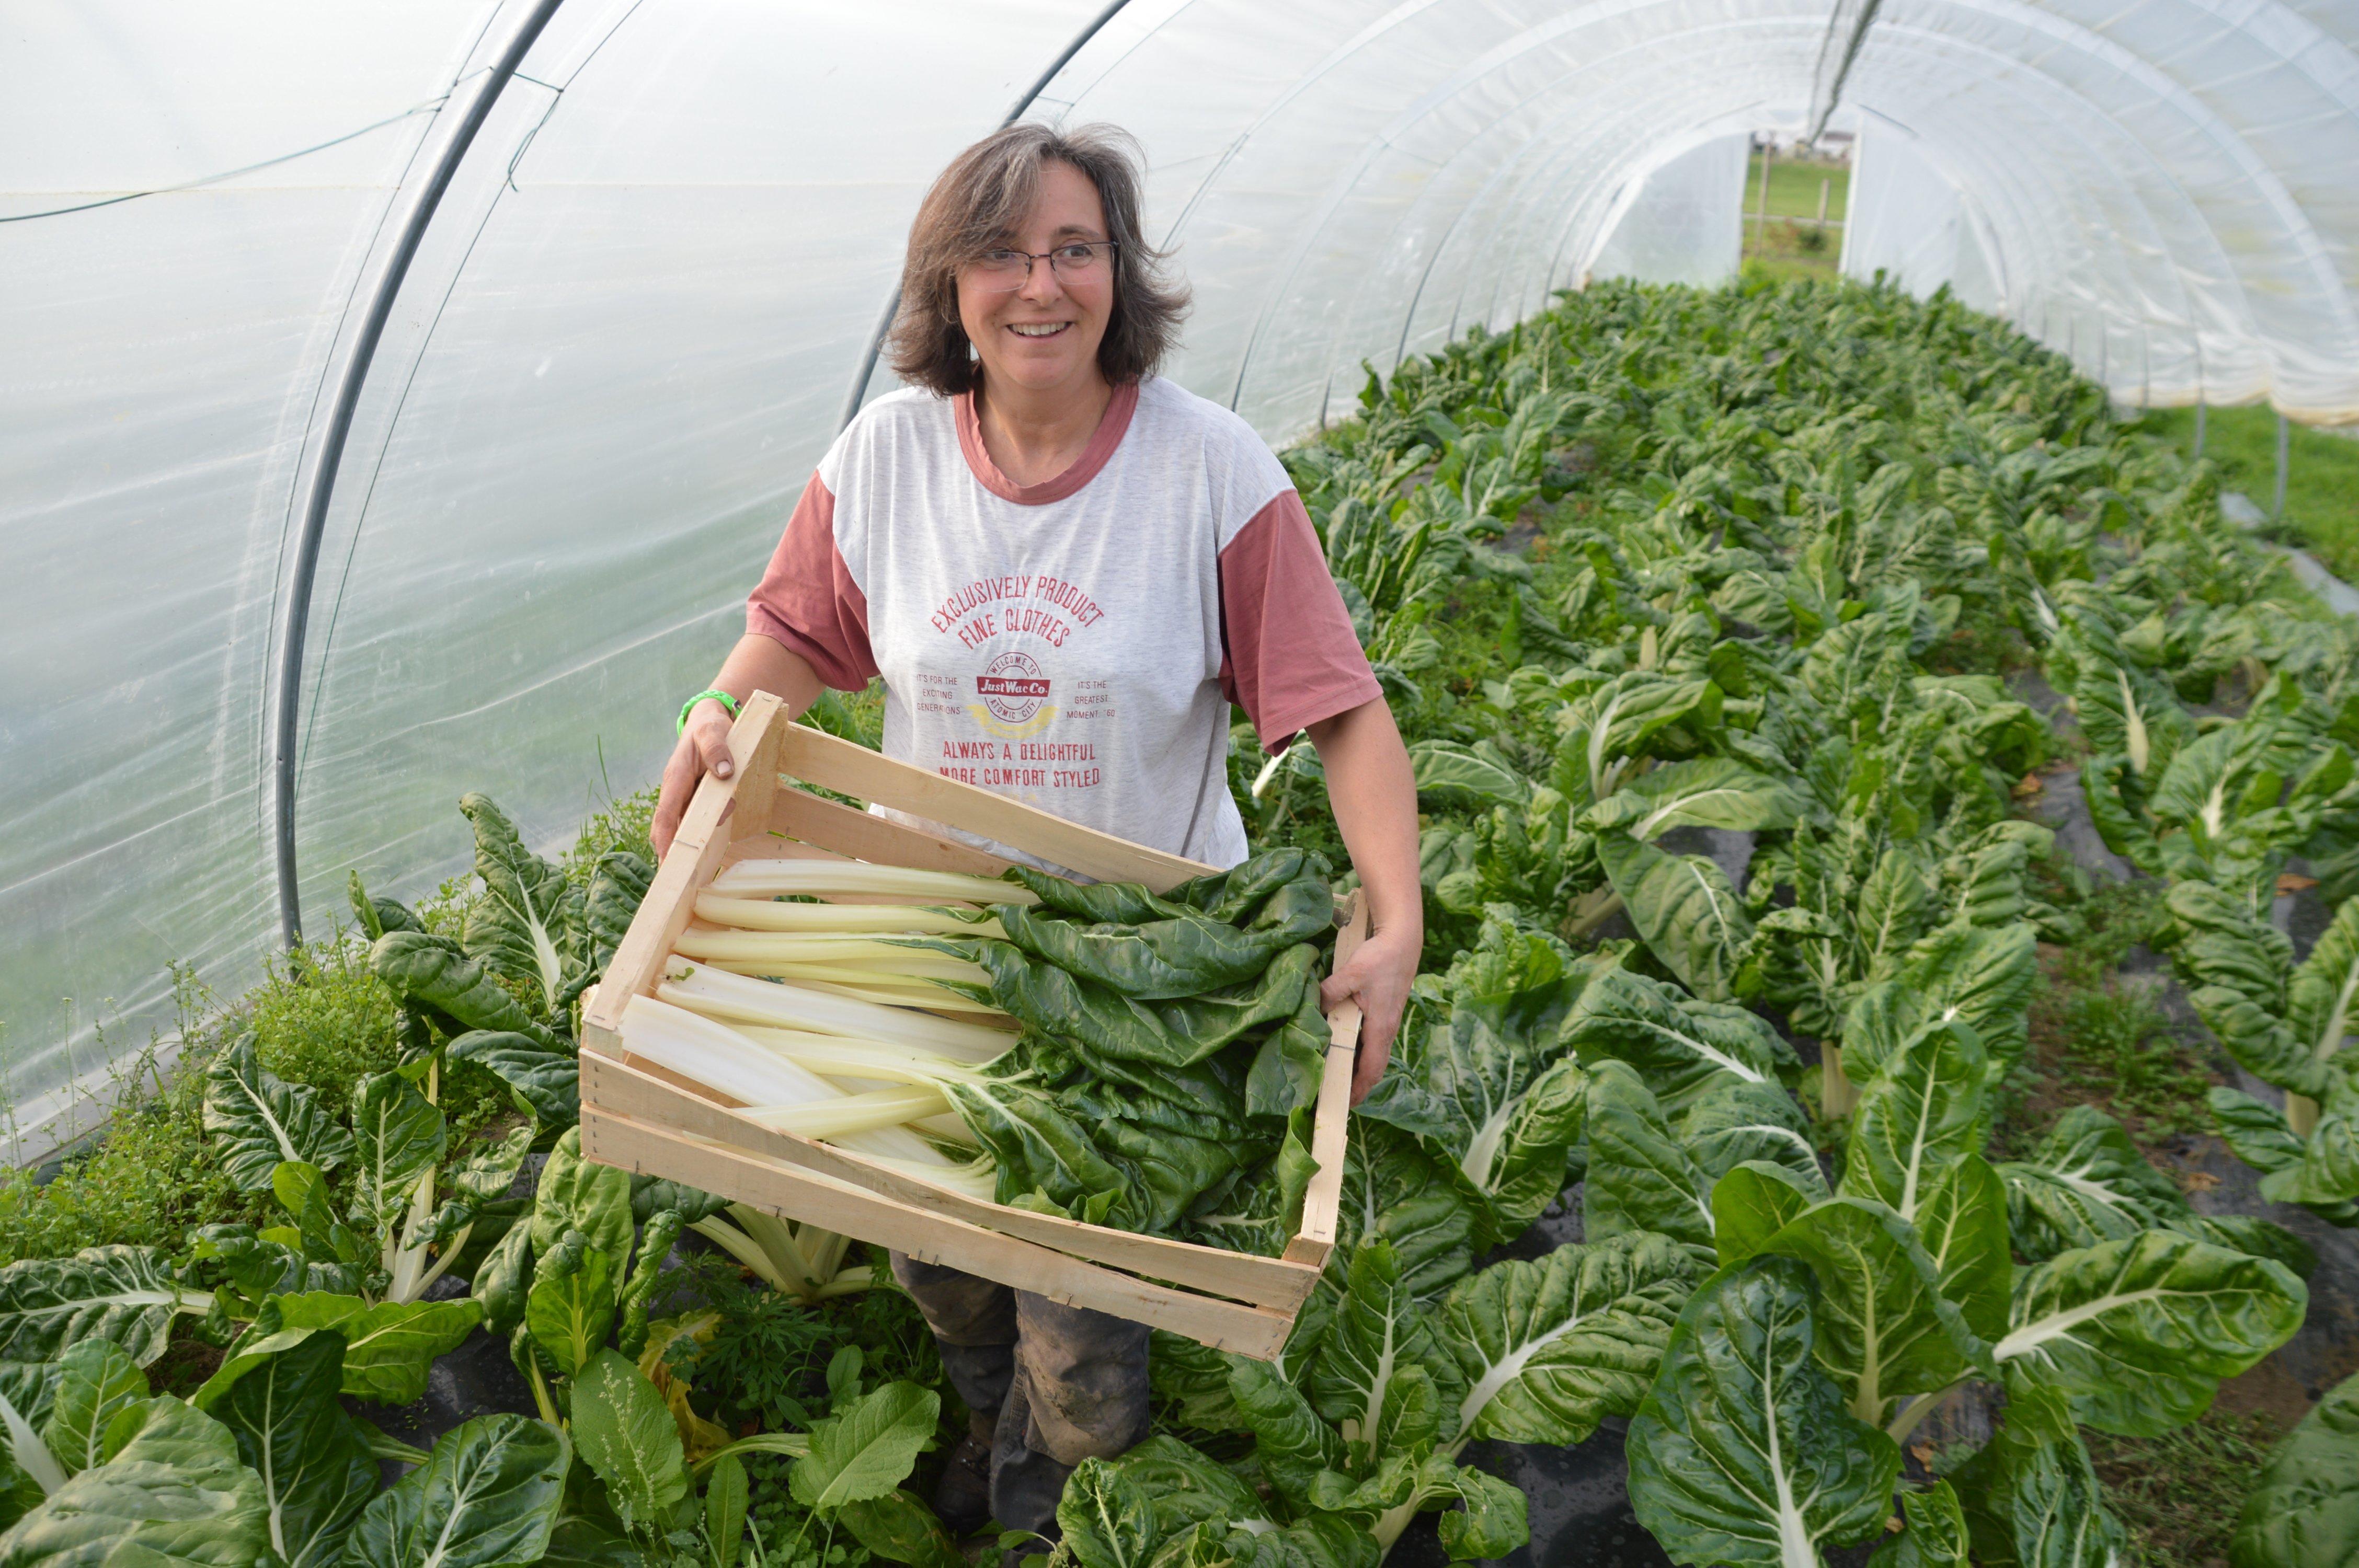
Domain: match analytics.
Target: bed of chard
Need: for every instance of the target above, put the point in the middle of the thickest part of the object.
(1711, 618)
(1715, 622)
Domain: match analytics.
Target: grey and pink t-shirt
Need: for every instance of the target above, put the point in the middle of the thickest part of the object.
(1073, 643)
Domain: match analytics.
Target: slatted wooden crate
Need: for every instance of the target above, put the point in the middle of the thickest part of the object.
(637, 1116)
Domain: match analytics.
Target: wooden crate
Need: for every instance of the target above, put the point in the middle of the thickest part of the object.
(637, 1116)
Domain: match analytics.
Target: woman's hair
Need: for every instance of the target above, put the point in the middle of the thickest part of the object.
(975, 206)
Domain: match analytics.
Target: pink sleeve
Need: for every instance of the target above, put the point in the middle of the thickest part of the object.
(1290, 658)
(807, 602)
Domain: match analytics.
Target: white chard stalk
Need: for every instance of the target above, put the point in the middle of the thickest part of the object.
(737, 999)
(817, 879)
(718, 1056)
(841, 950)
(819, 1024)
(924, 993)
(897, 919)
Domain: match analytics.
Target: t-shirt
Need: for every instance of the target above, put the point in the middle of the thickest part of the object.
(1073, 643)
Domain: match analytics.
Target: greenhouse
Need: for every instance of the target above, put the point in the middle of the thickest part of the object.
(1841, 503)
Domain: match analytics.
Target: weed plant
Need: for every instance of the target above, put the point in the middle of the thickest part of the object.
(152, 1176)
(767, 1361)
(767, 1366)
(2180, 1493)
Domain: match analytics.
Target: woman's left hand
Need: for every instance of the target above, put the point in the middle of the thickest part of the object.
(1378, 976)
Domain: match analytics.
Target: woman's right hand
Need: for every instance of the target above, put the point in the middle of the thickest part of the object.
(703, 749)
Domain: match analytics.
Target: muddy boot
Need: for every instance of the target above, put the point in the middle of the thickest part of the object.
(963, 1497)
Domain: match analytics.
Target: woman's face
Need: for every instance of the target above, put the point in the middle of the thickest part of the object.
(1043, 336)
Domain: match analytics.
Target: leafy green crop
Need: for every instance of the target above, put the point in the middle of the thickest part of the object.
(1721, 627)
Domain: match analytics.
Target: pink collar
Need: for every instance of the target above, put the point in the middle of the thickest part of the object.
(1108, 436)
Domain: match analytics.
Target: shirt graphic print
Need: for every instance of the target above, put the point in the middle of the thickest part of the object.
(1074, 643)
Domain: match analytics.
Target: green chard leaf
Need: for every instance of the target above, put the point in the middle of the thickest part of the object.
(2305, 1511)
(1487, 1087)
(1885, 1331)
(175, 1493)
(569, 1310)
(1936, 1535)
(436, 972)
(96, 1382)
(1640, 1177)
(2032, 1495)
(1292, 1443)
(1395, 1190)
(1105, 1022)
(575, 1195)
(488, 1497)
(389, 1348)
(1547, 1349)
(1743, 1453)
(1380, 1348)
(1919, 1114)
(401, 1135)
(1680, 1046)
(1685, 910)
(315, 1468)
(255, 1119)
(1703, 792)
(546, 1084)
(1449, 773)
(2138, 1333)
(124, 1294)
(618, 884)
(1962, 1224)
(527, 925)
(1734, 1122)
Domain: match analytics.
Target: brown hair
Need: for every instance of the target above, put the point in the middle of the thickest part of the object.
(974, 207)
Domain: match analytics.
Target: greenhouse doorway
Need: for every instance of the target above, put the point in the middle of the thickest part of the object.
(1796, 197)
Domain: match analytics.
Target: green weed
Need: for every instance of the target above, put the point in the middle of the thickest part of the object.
(767, 1361)
(151, 1177)
(2180, 1493)
(623, 825)
(2111, 1041)
(324, 1019)
(2117, 1045)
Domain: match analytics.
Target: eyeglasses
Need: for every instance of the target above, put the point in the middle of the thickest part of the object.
(1000, 272)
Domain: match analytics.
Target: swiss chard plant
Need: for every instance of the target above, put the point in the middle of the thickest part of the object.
(1837, 1321)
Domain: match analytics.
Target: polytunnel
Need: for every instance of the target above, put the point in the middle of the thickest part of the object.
(399, 399)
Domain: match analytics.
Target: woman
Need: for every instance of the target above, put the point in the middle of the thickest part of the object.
(1065, 568)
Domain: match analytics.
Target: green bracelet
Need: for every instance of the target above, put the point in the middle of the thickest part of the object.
(725, 700)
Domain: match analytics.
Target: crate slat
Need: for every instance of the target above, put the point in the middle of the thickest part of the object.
(646, 1092)
(816, 757)
(810, 1197)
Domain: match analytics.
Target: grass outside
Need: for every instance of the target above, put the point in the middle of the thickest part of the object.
(1791, 244)
(1794, 187)
(2321, 477)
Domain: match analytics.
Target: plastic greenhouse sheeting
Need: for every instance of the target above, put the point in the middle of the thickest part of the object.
(1682, 222)
(638, 313)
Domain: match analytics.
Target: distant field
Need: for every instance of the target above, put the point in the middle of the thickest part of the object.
(1794, 187)
(1783, 248)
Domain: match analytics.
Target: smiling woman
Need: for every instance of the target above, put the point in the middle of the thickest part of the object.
(1066, 569)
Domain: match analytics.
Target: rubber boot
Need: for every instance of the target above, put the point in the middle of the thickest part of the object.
(963, 1496)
